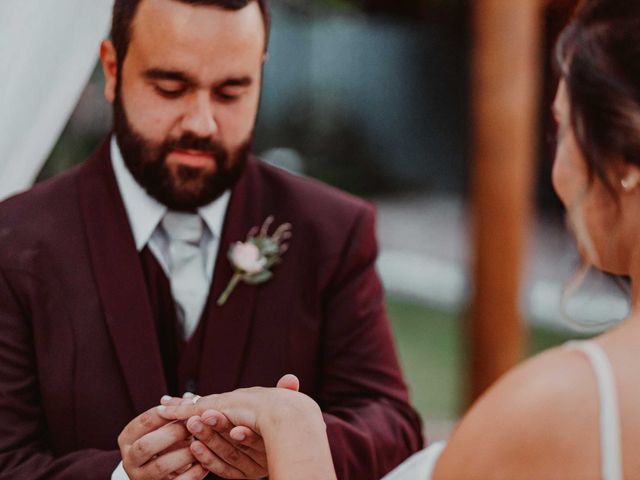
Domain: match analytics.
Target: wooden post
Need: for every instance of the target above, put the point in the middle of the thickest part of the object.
(505, 76)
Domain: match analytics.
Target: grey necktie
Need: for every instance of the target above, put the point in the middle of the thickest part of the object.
(189, 284)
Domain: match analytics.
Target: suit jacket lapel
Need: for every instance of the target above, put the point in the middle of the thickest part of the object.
(120, 281)
(228, 327)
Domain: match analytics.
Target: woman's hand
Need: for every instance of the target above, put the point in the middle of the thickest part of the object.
(244, 406)
(290, 423)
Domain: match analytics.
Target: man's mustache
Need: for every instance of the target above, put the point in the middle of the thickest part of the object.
(191, 142)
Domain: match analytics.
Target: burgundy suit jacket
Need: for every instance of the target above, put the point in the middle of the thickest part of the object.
(79, 357)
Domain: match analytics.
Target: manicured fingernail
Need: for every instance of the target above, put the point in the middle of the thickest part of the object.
(238, 436)
(165, 399)
(197, 448)
(188, 395)
(211, 421)
(196, 426)
(162, 409)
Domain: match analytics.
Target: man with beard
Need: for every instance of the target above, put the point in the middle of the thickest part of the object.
(116, 287)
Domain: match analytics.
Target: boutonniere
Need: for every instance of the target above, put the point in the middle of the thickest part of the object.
(253, 259)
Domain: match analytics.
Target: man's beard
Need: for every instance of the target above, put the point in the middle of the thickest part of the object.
(186, 188)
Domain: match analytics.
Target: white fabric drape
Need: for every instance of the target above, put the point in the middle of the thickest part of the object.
(48, 49)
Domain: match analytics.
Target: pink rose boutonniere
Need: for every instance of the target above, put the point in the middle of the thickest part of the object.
(253, 259)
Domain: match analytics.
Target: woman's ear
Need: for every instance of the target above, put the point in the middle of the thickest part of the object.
(631, 178)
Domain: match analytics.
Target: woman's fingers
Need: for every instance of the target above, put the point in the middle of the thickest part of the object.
(218, 440)
(247, 438)
(224, 462)
(196, 472)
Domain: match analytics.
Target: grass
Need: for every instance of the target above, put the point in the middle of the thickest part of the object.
(431, 349)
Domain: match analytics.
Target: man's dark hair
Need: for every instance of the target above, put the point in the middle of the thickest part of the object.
(124, 12)
(599, 58)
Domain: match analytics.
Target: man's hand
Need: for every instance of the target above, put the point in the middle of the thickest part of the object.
(229, 451)
(153, 448)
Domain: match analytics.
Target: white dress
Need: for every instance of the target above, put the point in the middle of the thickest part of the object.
(421, 465)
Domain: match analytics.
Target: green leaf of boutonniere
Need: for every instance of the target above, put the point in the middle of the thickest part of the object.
(258, 278)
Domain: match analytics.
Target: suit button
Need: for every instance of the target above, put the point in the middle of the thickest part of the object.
(191, 386)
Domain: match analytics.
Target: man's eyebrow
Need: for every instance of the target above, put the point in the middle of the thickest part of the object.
(236, 82)
(160, 74)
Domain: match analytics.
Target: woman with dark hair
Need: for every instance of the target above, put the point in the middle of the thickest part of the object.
(558, 416)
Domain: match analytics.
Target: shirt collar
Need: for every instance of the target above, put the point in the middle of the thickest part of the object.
(214, 212)
(145, 212)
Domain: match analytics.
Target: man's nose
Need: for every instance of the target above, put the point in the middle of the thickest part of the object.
(200, 118)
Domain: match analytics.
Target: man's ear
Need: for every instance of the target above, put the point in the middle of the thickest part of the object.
(109, 60)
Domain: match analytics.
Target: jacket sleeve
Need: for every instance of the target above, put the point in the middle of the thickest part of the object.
(24, 453)
(370, 424)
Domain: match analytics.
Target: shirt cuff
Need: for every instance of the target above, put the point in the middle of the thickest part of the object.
(119, 473)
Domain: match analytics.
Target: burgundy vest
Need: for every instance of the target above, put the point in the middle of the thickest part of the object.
(181, 360)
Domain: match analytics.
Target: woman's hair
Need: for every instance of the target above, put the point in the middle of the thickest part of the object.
(599, 57)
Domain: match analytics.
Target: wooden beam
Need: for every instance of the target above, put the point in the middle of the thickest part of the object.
(505, 87)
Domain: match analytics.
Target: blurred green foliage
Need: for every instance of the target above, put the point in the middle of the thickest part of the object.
(431, 347)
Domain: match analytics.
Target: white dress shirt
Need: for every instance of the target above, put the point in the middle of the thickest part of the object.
(145, 213)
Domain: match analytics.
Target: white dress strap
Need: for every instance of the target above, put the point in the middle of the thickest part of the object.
(419, 466)
(610, 451)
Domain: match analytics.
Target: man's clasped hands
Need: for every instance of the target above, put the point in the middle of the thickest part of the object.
(189, 437)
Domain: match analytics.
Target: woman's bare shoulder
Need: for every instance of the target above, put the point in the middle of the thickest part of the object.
(527, 424)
